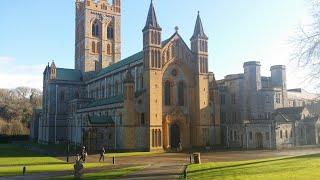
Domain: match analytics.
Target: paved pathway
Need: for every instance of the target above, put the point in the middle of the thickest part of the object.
(171, 165)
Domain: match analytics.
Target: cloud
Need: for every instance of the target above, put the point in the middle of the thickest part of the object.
(12, 75)
(6, 59)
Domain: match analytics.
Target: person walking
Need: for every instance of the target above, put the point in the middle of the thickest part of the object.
(84, 154)
(102, 154)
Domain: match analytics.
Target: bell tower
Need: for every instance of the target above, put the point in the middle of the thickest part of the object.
(199, 47)
(152, 71)
(97, 36)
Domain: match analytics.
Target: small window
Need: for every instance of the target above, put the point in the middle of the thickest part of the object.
(142, 120)
(110, 32)
(109, 49)
(278, 98)
(120, 118)
(250, 135)
(93, 47)
(233, 99)
(62, 95)
(286, 134)
(267, 99)
(267, 136)
(281, 134)
(223, 99)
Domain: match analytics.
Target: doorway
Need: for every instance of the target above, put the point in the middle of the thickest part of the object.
(259, 139)
(174, 136)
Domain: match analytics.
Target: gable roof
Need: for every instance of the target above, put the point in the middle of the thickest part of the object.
(291, 113)
(101, 120)
(68, 74)
(102, 102)
(165, 42)
(131, 59)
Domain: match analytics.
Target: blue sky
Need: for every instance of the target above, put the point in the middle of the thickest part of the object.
(35, 32)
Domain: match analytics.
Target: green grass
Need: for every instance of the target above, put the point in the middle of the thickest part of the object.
(14, 157)
(106, 174)
(301, 167)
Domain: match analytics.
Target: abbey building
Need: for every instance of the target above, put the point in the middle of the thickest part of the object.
(142, 102)
(164, 97)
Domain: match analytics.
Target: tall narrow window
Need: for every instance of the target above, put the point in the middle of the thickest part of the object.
(141, 81)
(181, 93)
(95, 28)
(110, 32)
(98, 47)
(116, 88)
(108, 49)
(142, 121)
(167, 93)
(93, 47)
(233, 99)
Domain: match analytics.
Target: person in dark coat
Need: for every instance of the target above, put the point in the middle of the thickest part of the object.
(102, 154)
(84, 154)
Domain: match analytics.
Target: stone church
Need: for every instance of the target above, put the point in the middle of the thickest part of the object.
(160, 98)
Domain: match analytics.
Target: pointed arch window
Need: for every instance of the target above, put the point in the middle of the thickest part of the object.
(93, 47)
(181, 93)
(167, 93)
(110, 32)
(108, 49)
(95, 29)
(116, 88)
(98, 47)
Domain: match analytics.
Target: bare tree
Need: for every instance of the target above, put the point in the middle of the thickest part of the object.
(307, 45)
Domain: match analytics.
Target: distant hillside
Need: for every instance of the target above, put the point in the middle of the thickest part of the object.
(16, 106)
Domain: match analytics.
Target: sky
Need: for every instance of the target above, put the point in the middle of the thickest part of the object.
(33, 33)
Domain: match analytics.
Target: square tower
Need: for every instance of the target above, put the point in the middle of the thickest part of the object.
(98, 34)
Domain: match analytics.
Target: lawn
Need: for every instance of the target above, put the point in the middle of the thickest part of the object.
(106, 174)
(14, 157)
(301, 167)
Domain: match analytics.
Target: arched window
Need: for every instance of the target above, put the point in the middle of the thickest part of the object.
(93, 47)
(142, 121)
(109, 90)
(181, 93)
(281, 134)
(108, 49)
(110, 31)
(116, 88)
(141, 81)
(98, 47)
(167, 93)
(152, 58)
(95, 29)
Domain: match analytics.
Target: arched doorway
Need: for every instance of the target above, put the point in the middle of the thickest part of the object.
(174, 136)
(259, 139)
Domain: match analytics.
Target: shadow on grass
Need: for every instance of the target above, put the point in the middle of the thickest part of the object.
(255, 163)
(34, 164)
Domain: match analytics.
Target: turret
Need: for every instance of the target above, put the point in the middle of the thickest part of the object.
(199, 46)
(128, 84)
(129, 114)
(278, 76)
(252, 75)
(117, 6)
(53, 71)
(152, 41)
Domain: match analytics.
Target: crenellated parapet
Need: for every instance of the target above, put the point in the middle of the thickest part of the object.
(99, 5)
